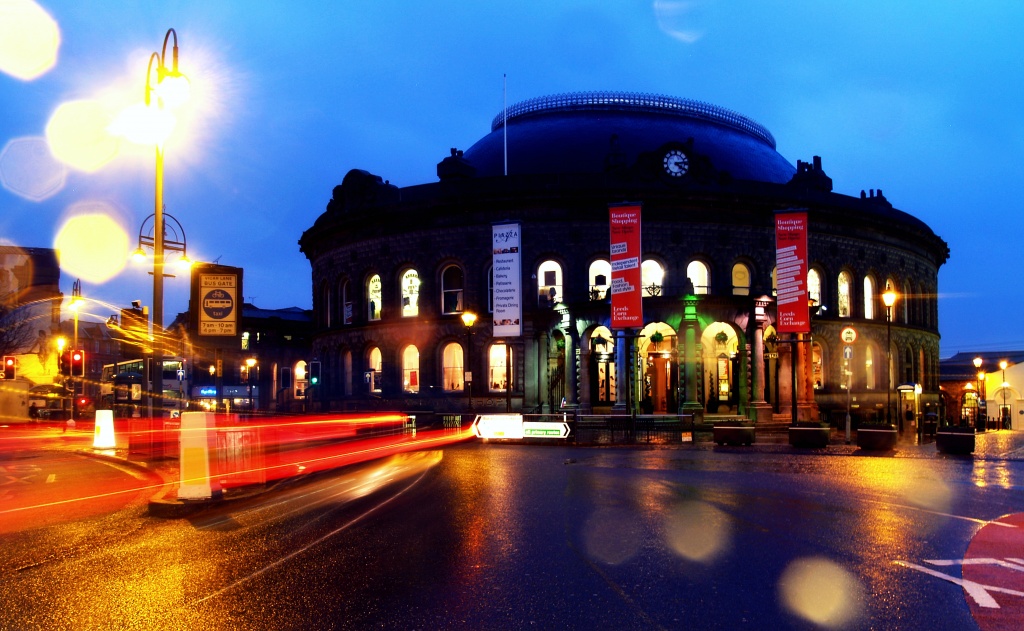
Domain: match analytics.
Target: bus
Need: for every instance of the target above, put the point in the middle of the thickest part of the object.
(174, 386)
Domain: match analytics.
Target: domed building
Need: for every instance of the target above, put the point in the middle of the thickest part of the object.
(394, 271)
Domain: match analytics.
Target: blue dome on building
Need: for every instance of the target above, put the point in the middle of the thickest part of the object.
(590, 132)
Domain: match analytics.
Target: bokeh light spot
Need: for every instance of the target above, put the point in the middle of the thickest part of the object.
(29, 39)
(821, 592)
(78, 136)
(28, 169)
(929, 493)
(91, 244)
(698, 531)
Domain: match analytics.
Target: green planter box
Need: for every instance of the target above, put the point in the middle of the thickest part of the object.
(729, 434)
(876, 438)
(809, 435)
(955, 440)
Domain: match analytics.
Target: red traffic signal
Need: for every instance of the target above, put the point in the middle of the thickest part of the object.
(10, 367)
(78, 363)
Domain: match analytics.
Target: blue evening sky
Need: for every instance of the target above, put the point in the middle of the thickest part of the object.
(920, 99)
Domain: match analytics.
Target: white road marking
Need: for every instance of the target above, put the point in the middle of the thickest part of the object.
(50, 479)
(977, 591)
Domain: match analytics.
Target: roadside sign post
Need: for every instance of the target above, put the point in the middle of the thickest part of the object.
(849, 336)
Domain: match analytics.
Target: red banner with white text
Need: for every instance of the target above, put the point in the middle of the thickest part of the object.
(627, 304)
(791, 272)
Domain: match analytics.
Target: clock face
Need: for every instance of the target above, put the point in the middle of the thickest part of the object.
(676, 163)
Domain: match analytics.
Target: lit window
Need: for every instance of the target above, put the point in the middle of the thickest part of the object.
(697, 272)
(410, 293)
(373, 296)
(652, 275)
(814, 286)
(869, 298)
(411, 369)
(497, 363)
(740, 280)
(600, 279)
(452, 366)
(375, 373)
(451, 289)
(844, 284)
(549, 279)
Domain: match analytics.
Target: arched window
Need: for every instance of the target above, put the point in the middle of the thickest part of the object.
(346, 303)
(697, 272)
(453, 367)
(870, 381)
(603, 381)
(375, 373)
(549, 280)
(652, 276)
(869, 298)
(411, 369)
(817, 367)
(906, 302)
(373, 297)
(600, 279)
(498, 372)
(326, 305)
(410, 293)
(844, 284)
(740, 280)
(775, 284)
(452, 284)
(814, 287)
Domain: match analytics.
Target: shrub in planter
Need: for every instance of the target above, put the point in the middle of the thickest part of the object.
(733, 433)
(876, 436)
(809, 435)
(953, 439)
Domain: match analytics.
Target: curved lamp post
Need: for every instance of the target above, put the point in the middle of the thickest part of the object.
(977, 361)
(469, 319)
(1003, 412)
(889, 298)
(171, 91)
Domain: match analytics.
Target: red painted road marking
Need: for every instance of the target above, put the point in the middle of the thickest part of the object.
(994, 558)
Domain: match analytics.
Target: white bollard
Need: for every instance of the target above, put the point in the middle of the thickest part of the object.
(196, 446)
(103, 432)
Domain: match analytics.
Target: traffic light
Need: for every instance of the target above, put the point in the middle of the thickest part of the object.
(10, 367)
(314, 373)
(78, 363)
(65, 362)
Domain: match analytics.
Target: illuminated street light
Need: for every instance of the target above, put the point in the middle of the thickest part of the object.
(1003, 412)
(889, 298)
(171, 91)
(249, 363)
(981, 376)
(469, 319)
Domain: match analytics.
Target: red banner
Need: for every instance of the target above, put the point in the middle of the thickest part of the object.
(791, 272)
(627, 304)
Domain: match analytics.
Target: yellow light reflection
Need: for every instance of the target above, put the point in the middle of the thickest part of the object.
(78, 136)
(820, 591)
(698, 531)
(29, 39)
(29, 170)
(92, 246)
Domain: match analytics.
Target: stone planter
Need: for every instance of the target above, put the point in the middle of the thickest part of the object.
(809, 435)
(955, 440)
(733, 434)
(876, 437)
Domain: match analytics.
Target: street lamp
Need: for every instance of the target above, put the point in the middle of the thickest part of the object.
(889, 298)
(981, 375)
(1003, 413)
(171, 91)
(469, 319)
(250, 363)
(76, 302)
